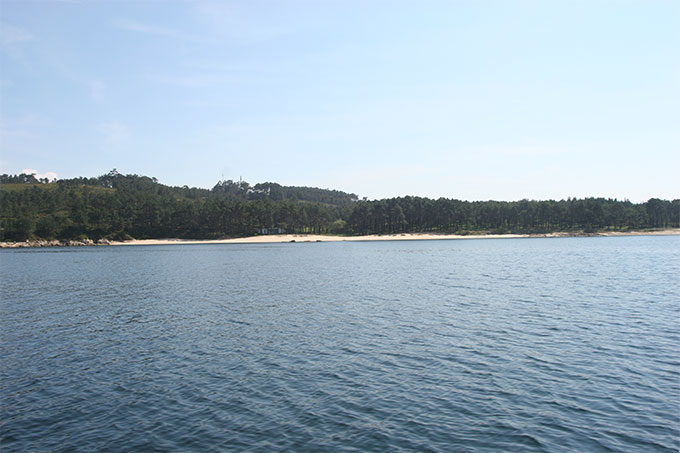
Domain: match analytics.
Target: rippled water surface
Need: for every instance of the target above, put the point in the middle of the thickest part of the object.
(566, 344)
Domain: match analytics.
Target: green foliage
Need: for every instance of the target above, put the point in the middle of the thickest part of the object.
(47, 227)
(524, 216)
(20, 179)
(338, 226)
(117, 206)
(19, 228)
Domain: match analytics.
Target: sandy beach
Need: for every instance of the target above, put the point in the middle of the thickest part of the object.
(281, 238)
(302, 238)
(296, 238)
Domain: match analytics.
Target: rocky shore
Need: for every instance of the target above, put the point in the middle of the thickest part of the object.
(54, 243)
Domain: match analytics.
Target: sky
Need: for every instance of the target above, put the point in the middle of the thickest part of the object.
(473, 100)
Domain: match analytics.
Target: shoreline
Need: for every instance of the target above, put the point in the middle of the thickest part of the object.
(305, 238)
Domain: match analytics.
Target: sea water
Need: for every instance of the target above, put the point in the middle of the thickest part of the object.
(566, 344)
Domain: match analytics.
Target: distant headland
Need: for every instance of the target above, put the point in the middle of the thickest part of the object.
(132, 209)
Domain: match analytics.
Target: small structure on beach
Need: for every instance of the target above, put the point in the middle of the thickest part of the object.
(271, 231)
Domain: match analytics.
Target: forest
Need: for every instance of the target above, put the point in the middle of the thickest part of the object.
(119, 207)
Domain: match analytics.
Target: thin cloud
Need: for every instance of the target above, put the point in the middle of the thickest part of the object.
(130, 25)
(9, 35)
(191, 81)
(138, 27)
(531, 151)
(14, 40)
(243, 24)
(12, 128)
(114, 132)
(97, 90)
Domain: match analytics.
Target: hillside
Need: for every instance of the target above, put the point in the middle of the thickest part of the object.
(116, 206)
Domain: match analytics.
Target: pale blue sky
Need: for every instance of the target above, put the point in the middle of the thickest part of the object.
(460, 99)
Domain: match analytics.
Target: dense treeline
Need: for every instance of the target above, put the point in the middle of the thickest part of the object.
(22, 179)
(119, 206)
(414, 214)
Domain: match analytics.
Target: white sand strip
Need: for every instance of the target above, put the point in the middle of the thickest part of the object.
(281, 238)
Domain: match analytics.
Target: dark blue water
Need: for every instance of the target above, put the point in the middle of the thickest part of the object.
(566, 344)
